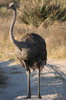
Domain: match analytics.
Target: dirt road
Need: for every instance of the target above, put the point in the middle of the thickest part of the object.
(53, 81)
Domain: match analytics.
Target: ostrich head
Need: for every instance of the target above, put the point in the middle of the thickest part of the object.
(12, 6)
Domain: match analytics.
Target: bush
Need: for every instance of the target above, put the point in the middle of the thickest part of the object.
(3, 12)
(3, 7)
(36, 12)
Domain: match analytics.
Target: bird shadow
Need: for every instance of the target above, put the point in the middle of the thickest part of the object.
(17, 82)
(54, 84)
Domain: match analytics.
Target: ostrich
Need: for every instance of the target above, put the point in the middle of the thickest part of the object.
(31, 52)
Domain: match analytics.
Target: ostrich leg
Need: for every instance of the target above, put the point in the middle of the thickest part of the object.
(28, 84)
(39, 96)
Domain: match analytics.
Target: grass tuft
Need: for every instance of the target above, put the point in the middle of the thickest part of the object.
(40, 10)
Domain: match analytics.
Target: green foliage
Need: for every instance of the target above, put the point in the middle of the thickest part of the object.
(3, 11)
(5, 2)
(36, 12)
(3, 7)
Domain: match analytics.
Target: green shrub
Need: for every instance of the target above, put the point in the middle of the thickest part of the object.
(3, 12)
(3, 7)
(36, 12)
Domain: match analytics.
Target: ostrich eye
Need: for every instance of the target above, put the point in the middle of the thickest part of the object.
(13, 7)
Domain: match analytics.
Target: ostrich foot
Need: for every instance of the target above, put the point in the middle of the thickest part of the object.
(39, 96)
(28, 97)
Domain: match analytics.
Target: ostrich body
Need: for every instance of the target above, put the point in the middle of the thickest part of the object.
(31, 51)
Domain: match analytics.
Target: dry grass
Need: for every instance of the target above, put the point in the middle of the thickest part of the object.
(55, 36)
(42, 10)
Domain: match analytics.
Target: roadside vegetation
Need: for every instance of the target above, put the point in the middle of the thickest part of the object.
(42, 11)
(45, 17)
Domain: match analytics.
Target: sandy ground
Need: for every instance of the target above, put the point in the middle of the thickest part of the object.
(53, 81)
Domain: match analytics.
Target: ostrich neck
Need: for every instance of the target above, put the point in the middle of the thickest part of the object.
(12, 28)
